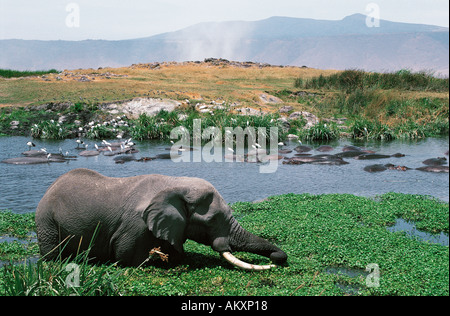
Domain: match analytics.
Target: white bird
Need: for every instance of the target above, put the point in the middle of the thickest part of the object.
(257, 145)
(230, 149)
(30, 144)
(48, 156)
(79, 142)
(106, 143)
(44, 150)
(109, 148)
(96, 147)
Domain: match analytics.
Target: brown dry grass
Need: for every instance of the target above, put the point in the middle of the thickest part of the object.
(178, 81)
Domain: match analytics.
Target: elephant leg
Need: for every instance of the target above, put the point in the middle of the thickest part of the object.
(130, 250)
(49, 240)
(136, 251)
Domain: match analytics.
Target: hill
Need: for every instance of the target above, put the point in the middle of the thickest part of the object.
(343, 44)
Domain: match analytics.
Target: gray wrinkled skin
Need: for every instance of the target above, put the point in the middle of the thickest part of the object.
(131, 216)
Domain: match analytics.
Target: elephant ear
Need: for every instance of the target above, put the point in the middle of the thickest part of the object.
(166, 216)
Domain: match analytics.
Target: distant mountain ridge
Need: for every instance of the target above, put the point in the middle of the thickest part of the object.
(344, 44)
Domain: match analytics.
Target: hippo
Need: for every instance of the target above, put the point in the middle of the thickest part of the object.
(351, 148)
(398, 155)
(302, 149)
(325, 148)
(372, 156)
(124, 158)
(89, 153)
(375, 168)
(292, 162)
(435, 161)
(32, 160)
(350, 154)
(394, 167)
(168, 156)
(319, 159)
(435, 169)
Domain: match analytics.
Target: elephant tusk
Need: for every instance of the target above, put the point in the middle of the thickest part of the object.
(244, 265)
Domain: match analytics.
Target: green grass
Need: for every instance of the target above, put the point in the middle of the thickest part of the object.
(382, 106)
(18, 225)
(8, 73)
(318, 232)
(161, 125)
(401, 105)
(357, 79)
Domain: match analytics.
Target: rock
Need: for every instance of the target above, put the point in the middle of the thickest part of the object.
(286, 109)
(310, 118)
(284, 121)
(269, 99)
(14, 124)
(149, 106)
(251, 111)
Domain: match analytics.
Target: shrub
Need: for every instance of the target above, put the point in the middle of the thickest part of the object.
(49, 130)
(350, 80)
(321, 131)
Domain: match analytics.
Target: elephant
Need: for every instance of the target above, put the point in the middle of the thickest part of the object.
(126, 218)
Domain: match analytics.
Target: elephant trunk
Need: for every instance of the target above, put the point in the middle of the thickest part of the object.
(242, 240)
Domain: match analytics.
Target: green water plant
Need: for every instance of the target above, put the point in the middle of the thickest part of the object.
(320, 234)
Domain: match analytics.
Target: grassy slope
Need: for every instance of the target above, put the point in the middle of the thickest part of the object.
(390, 106)
(178, 81)
(317, 232)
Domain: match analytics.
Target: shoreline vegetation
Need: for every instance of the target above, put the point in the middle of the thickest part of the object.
(312, 104)
(334, 239)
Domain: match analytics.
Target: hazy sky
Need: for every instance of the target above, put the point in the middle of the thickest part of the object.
(118, 19)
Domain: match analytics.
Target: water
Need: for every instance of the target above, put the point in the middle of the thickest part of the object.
(409, 228)
(22, 186)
